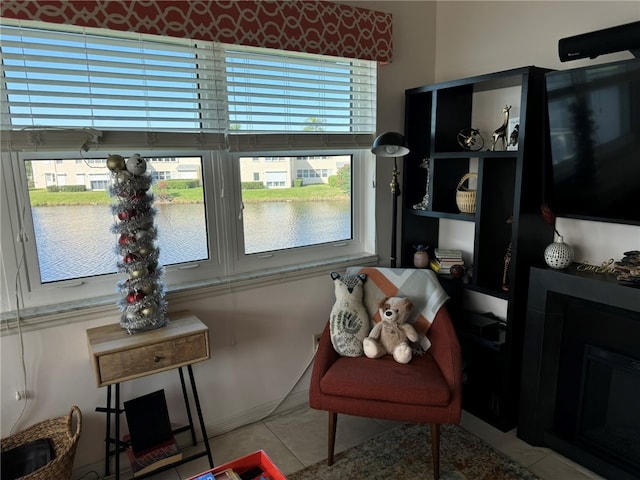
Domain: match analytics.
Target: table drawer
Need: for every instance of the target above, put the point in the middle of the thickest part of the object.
(148, 359)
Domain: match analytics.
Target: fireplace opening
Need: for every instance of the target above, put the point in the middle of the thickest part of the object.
(580, 388)
(598, 386)
(608, 418)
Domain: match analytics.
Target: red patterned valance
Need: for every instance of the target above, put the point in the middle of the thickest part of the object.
(308, 26)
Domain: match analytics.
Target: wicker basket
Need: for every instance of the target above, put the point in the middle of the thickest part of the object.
(465, 198)
(63, 442)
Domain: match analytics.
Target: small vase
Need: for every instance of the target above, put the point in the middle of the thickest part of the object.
(558, 255)
(421, 259)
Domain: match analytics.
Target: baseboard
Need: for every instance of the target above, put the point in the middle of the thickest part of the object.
(257, 413)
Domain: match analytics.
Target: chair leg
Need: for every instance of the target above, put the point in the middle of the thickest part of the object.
(435, 449)
(333, 419)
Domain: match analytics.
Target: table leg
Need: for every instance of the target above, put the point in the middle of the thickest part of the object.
(117, 435)
(187, 407)
(107, 440)
(205, 438)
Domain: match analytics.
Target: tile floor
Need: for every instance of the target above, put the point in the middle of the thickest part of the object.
(297, 438)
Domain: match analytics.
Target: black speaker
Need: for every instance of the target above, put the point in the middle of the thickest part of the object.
(600, 42)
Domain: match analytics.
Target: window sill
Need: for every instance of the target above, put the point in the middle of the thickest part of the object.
(55, 315)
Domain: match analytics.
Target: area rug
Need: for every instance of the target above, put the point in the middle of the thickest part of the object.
(404, 453)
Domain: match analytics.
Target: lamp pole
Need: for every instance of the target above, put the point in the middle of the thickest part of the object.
(392, 144)
(395, 192)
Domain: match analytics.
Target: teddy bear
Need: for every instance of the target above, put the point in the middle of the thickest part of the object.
(391, 335)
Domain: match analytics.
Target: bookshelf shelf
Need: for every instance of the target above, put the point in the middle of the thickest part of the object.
(505, 235)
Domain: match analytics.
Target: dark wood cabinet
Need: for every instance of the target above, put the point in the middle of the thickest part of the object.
(507, 217)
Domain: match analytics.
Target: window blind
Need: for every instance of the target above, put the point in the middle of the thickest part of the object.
(66, 79)
(288, 92)
(258, 98)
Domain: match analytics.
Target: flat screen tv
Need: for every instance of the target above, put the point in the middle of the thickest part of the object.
(594, 131)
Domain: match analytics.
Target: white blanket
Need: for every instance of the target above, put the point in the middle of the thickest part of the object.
(421, 287)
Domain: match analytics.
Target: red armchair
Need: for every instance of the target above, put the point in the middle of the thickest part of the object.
(426, 390)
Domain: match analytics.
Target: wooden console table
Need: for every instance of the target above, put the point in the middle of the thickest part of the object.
(117, 357)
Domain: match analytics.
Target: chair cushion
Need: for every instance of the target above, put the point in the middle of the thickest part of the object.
(419, 382)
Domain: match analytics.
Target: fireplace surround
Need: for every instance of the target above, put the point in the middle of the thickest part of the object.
(581, 370)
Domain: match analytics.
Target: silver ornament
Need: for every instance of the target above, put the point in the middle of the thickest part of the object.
(143, 235)
(136, 165)
(123, 176)
(145, 250)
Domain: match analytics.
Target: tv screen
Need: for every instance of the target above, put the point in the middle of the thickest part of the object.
(594, 128)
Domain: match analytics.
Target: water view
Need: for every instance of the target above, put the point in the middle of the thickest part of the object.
(76, 241)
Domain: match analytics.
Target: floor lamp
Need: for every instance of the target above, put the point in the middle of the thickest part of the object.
(392, 144)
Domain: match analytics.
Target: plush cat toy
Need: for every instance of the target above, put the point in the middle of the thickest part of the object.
(391, 335)
(349, 321)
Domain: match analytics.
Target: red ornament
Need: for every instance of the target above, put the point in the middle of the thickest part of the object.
(133, 297)
(126, 239)
(130, 257)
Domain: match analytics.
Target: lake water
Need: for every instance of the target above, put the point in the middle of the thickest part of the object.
(76, 241)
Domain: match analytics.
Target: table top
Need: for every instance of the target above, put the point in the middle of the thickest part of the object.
(113, 338)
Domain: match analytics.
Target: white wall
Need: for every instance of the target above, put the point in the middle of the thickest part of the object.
(413, 65)
(261, 338)
(261, 342)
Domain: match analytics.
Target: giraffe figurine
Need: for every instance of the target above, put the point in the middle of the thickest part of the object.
(501, 132)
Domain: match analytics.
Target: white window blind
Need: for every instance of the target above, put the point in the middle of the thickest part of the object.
(260, 98)
(65, 79)
(277, 91)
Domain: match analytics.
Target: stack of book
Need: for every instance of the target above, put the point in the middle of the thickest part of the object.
(445, 259)
(153, 458)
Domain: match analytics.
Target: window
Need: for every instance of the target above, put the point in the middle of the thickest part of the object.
(259, 158)
(160, 175)
(72, 222)
(305, 215)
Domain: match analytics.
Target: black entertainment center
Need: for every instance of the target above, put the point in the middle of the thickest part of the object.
(561, 364)
(580, 378)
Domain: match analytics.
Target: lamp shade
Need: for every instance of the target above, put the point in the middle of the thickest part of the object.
(390, 144)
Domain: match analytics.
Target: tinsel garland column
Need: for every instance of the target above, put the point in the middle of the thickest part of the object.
(143, 303)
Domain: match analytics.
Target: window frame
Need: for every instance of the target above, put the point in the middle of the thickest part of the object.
(221, 178)
(35, 293)
(360, 203)
(223, 201)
